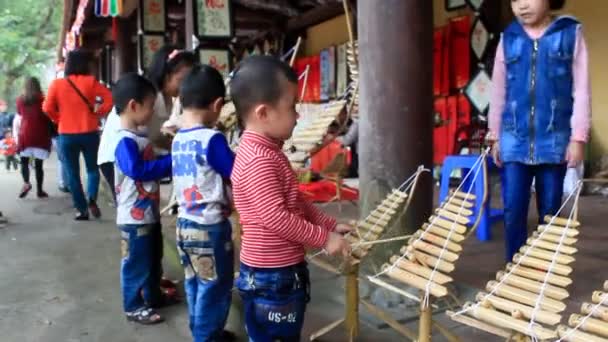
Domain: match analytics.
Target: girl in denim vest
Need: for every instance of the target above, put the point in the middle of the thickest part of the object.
(540, 110)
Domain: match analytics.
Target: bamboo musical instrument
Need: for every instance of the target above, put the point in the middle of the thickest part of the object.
(307, 138)
(527, 298)
(429, 256)
(593, 326)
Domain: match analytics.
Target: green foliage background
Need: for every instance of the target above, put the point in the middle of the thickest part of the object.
(29, 34)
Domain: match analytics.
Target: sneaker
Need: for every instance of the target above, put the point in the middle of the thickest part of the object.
(81, 216)
(42, 194)
(64, 189)
(94, 209)
(25, 190)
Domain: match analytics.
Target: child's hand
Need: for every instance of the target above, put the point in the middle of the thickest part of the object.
(343, 228)
(496, 154)
(575, 153)
(337, 244)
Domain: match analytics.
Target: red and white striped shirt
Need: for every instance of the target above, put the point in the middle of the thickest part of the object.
(277, 221)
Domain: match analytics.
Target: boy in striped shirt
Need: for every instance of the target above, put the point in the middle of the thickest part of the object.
(277, 222)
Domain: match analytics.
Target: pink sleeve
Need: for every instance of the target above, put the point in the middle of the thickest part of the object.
(499, 90)
(581, 115)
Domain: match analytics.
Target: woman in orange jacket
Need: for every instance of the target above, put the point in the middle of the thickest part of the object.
(76, 103)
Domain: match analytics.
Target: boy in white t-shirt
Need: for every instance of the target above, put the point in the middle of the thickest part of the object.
(202, 163)
(138, 171)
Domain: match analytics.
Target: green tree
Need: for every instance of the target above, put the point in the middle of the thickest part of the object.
(28, 39)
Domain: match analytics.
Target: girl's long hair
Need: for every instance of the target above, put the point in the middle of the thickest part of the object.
(556, 5)
(31, 91)
(167, 60)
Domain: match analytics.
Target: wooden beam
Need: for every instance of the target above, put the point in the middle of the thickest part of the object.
(277, 6)
(314, 16)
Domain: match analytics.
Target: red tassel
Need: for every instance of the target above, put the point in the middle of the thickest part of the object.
(114, 29)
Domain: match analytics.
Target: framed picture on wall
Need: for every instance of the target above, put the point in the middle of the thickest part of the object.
(148, 44)
(152, 16)
(220, 59)
(213, 19)
(475, 4)
(480, 38)
(451, 5)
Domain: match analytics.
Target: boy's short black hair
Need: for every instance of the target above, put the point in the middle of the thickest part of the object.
(203, 85)
(258, 79)
(131, 86)
(556, 5)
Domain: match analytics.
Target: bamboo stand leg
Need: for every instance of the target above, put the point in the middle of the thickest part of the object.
(351, 317)
(352, 303)
(426, 322)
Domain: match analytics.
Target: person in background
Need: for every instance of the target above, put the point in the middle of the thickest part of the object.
(278, 224)
(107, 146)
(72, 102)
(540, 110)
(3, 220)
(34, 137)
(8, 148)
(62, 178)
(138, 172)
(345, 131)
(168, 68)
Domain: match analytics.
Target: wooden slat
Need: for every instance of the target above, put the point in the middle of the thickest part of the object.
(458, 210)
(510, 306)
(542, 264)
(452, 216)
(551, 246)
(449, 225)
(420, 270)
(443, 233)
(539, 275)
(562, 222)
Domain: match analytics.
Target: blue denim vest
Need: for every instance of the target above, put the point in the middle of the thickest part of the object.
(536, 119)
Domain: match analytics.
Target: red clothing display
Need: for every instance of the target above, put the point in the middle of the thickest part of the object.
(34, 130)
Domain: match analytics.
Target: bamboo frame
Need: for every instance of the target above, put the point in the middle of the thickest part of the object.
(387, 211)
(444, 230)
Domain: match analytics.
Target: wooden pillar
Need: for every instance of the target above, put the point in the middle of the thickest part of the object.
(189, 24)
(125, 50)
(396, 104)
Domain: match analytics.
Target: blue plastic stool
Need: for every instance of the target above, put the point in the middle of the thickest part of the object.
(465, 163)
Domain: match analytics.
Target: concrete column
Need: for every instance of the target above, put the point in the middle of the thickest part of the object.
(396, 105)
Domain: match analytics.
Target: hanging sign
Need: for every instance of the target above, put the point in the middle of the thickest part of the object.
(148, 45)
(478, 91)
(213, 19)
(475, 4)
(152, 15)
(480, 37)
(217, 58)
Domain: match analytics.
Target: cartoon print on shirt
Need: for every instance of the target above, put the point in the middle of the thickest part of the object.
(192, 195)
(145, 199)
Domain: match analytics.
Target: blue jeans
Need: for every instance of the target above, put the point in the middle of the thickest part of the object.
(275, 301)
(516, 184)
(207, 255)
(62, 176)
(140, 271)
(71, 145)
